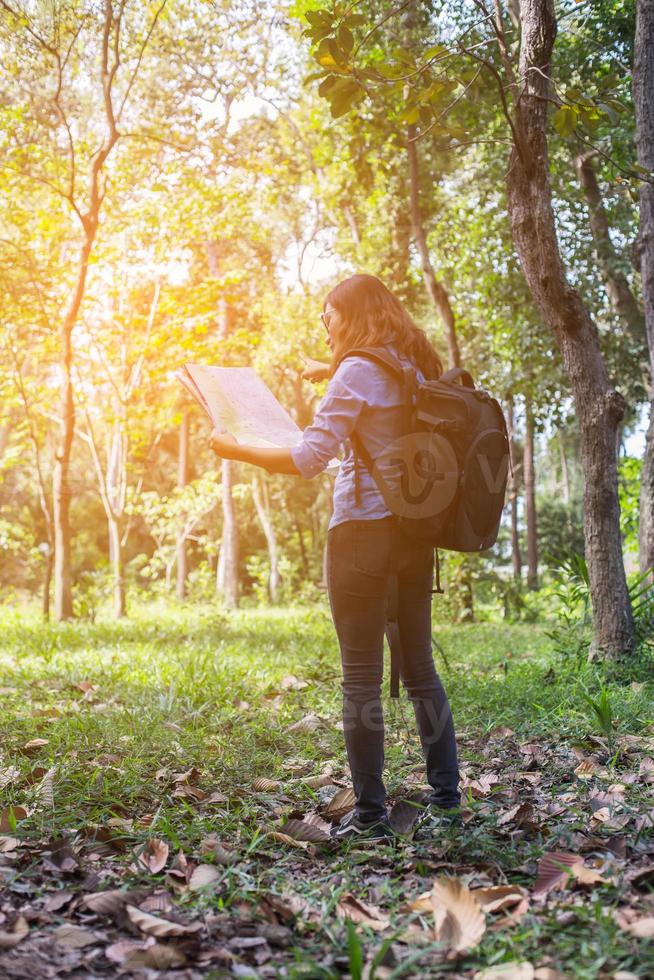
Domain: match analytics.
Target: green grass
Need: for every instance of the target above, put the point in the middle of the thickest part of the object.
(179, 687)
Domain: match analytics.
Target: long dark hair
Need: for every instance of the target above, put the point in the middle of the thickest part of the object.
(374, 316)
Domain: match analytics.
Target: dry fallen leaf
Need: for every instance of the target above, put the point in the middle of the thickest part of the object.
(152, 925)
(300, 830)
(498, 897)
(291, 841)
(641, 928)
(554, 871)
(10, 816)
(45, 790)
(507, 971)
(309, 723)
(153, 857)
(263, 785)
(8, 844)
(459, 920)
(646, 770)
(113, 901)
(203, 876)
(11, 937)
(221, 855)
(349, 907)
(75, 937)
(341, 803)
(34, 745)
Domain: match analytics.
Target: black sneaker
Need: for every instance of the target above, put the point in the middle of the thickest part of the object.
(352, 828)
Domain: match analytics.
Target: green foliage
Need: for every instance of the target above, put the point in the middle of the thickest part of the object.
(603, 715)
(571, 637)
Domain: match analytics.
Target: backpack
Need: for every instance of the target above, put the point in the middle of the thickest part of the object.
(454, 446)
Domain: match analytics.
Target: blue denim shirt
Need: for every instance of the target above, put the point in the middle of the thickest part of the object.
(362, 394)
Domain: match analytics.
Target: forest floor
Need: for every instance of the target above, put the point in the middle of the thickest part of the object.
(160, 778)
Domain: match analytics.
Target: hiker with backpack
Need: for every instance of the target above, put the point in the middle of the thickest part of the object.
(398, 494)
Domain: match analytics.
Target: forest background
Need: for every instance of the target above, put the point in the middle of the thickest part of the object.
(185, 182)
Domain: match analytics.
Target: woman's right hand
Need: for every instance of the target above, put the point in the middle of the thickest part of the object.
(314, 370)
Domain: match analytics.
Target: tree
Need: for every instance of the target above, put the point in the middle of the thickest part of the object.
(520, 74)
(644, 105)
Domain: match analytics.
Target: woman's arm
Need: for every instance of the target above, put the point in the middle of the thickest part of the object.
(274, 460)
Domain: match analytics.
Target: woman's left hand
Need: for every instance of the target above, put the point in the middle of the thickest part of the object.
(223, 444)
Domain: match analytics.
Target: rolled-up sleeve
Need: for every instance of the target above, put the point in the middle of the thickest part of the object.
(335, 419)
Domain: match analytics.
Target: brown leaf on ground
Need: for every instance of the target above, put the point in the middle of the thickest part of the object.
(315, 782)
(132, 954)
(10, 816)
(189, 776)
(211, 846)
(203, 876)
(153, 857)
(152, 925)
(291, 683)
(341, 803)
(459, 920)
(113, 901)
(349, 907)
(499, 897)
(60, 856)
(74, 937)
(45, 790)
(303, 831)
(507, 971)
(8, 844)
(264, 785)
(309, 723)
(8, 775)
(646, 770)
(642, 928)
(315, 820)
(186, 792)
(14, 935)
(404, 815)
(214, 798)
(553, 871)
(500, 732)
(556, 868)
(586, 769)
(33, 746)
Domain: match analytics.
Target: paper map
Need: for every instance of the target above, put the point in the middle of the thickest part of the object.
(237, 400)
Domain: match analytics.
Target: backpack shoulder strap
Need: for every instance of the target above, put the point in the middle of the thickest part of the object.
(454, 373)
(383, 358)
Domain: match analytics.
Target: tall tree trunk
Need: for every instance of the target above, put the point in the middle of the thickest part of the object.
(516, 557)
(565, 471)
(435, 289)
(117, 559)
(530, 498)
(621, 297)
(47, 581)
(227, 574)
(61, 490)
(599, 406)
(644, 104)
(263, 513)
(116, 463)
(182, 480)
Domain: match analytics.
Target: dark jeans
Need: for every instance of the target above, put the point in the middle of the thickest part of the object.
(361, 555)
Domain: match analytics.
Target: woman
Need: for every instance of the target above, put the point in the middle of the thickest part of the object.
(365, 546)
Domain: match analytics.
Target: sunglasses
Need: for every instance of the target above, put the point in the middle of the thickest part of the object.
(325, 320)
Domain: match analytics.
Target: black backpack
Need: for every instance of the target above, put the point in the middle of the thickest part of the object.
(469, 462)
